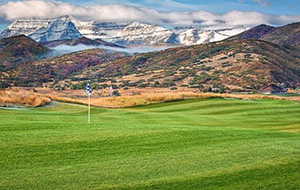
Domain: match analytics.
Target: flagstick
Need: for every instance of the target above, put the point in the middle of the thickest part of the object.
(89, 112)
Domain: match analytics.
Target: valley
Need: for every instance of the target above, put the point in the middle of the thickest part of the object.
(250, 62)
(149, 95)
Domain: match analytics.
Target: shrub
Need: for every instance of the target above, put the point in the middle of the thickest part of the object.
(4, 84)
(116, 93)
(142, 85)
(168, 83)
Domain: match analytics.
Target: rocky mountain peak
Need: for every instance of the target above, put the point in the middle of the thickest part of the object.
(43, 30)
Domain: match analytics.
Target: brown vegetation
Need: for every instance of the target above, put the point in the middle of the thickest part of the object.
(39, 97)
(151, 98)
(18, 97)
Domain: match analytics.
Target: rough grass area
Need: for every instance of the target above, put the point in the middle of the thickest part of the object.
(17, 97)
(34, 97)
(205, 144)
(153, 98)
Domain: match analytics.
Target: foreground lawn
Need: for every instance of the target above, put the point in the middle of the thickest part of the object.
(212, 144)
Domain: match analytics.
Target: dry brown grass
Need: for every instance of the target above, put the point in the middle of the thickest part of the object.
(145, 99)
(19, 97)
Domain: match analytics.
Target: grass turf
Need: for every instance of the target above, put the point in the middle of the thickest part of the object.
(214, 144)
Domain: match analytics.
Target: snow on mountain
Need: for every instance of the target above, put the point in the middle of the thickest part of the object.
(125, 33)
(141, 33)
(190, 37)
(44, 30)
(138, 33)
(128, 34)
(25, 26)
(59, 29)
(104, 30)
(199, 36)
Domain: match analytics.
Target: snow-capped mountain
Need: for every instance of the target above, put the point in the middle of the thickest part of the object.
(44, 30)
(125, 33)
(138, 33)
(141, 33)
(103, 30)
(199, 36)
(135, 33)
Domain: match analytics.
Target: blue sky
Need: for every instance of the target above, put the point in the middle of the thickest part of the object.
(278, 7)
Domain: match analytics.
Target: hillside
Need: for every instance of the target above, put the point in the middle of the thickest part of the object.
(285, 35)
(238, 65)
(254, 33)
(247, 65)
(60, 68)
(19, 49)
(288, 35)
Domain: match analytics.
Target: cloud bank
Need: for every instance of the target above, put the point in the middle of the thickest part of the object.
(121, 13)
(65, 49)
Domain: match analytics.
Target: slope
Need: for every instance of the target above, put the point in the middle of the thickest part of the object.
(246, 65)
(19, 49)
(288, 35)
(61, 67)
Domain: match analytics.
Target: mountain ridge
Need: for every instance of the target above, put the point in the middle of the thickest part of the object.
(19, 49)
(43, 30)
(231, 65)
(287, 35)
(131, 33)
(226, 66)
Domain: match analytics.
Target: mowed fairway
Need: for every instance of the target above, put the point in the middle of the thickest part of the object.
(212, 144)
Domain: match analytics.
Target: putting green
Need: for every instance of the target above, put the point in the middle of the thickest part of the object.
(213, 144)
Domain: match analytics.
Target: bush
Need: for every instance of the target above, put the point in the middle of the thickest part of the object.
(4, 84)
(168, 83)
(142, 85)
(156, 84)
(116, 93)
(197, 86)
(114, 86)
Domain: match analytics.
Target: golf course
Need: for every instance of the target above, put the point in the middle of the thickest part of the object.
(196, 144)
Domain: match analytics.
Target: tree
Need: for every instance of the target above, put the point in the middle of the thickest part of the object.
(4, 84)
(116, 93)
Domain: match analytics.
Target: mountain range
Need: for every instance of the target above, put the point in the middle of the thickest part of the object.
(45, 30)
(247, 62)
(124, 34)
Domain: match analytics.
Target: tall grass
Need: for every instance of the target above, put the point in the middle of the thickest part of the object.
(25, 97)
(151, 98)
(20, 97)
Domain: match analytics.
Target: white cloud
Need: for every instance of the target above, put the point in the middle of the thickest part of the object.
(45, 9)
(170, 4)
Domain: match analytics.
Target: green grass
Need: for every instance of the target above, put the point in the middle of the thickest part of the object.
(212, 144)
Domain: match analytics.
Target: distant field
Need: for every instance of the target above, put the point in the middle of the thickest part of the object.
(208, 144)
